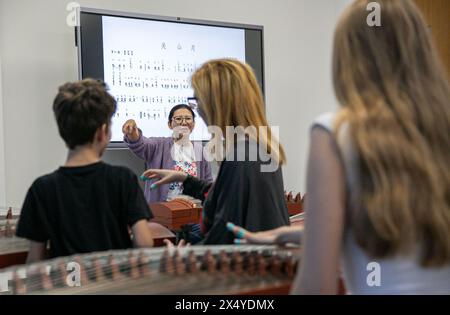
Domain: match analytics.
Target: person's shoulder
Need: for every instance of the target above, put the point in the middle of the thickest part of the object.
(117, 171)
(326, 120)
(45, 179)
(330, 121)
(241, 161)
(44, 183)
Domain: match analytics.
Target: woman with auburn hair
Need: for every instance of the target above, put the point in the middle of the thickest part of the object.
(379, 169)
(249, 186)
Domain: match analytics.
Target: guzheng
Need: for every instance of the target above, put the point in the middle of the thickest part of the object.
(202, 270)
(8, 223)
(8, 228)
(13, 250)
(295, 204)
(298, 219)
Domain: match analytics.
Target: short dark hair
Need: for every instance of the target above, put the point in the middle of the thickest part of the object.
(81, 108)
(180, 106)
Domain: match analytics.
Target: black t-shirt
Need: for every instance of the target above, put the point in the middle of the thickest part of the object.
(83, 209)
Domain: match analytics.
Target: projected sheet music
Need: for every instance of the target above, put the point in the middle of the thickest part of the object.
(148, 64)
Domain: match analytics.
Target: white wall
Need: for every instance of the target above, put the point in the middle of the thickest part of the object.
(38, 54)
(2, 150)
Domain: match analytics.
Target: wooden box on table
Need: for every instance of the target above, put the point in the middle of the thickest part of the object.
(176, 213)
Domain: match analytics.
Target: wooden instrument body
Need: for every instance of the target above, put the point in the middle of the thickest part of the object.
(295, 204)
(222, 269)
(13, 250)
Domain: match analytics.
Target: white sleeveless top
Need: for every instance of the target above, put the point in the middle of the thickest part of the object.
(366, 275)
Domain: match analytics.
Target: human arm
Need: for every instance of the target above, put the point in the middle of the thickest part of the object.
(142, 146)
(279, 236)
(37, 252)
(33, 224)
(324, 218)
(192, 186)
(138, 214)
(130, 130)
(142, 234)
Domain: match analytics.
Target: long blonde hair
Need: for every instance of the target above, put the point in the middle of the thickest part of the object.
(395, 96)
(229, 95)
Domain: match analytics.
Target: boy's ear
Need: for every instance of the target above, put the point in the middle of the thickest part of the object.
(101, 133)
(170, 125)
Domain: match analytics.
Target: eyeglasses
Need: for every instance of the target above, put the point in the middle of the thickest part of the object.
(179, 119)
(192, 102)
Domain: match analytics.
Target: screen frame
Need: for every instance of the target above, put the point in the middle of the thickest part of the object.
(173, 19)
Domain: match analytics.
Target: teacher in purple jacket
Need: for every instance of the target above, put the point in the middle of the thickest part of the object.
(176, 152)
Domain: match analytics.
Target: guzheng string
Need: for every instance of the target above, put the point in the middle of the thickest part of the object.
(111, 267)
(168, 288)
(154, 269)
